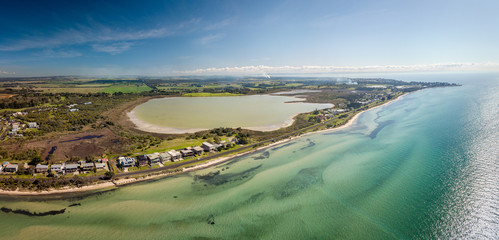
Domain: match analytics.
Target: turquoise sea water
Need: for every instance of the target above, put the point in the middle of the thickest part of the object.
(425, 167)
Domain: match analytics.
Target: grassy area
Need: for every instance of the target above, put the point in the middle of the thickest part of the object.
(71, 90)
(132, 88)
(225, 94)
(177, 143)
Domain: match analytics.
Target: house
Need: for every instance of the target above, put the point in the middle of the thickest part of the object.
(126, 161)
(11, 168)
(154, 158)
(207, 147)
(102, 160)
(41, 168)
(186, 152)
(100, 166)
(71, 168)
(15, 127)
(87, 103)
(57, 168)
(142, 160)
(197, 150)
(165, 157)
(73, 110)
(32, 125)
(176, 156)
(87, 166)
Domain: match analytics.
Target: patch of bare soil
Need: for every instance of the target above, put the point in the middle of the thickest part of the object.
(91, 143)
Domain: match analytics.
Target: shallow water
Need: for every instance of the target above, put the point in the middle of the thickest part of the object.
(257, 111)
(425, 166)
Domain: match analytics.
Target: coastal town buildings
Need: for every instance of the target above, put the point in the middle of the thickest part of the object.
(154, 158)
(71, 168)
(208, 147)
(41, 168)
(126, 162)
(57, 168)
(142, 160)
(176, 156)
(11, 168)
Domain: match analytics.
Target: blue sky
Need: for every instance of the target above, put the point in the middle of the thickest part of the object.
(162, 38)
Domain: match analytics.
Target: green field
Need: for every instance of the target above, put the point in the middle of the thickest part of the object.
(132, 88)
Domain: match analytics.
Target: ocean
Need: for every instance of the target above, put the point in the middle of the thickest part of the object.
(424, 167)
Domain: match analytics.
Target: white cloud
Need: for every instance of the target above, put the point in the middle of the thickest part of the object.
(211, 38)
(219, 25)
(440, 67)
(2, 72)
(51, 53)
(113, 48)
(84, 34)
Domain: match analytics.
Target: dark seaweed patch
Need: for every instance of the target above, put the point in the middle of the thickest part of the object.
(208, 176)
(74, 204)
(210, 220)
(380, 127)
(283, 146)
(216, 179)
(264, 155)
(254, 198)
(32, 214)
(310, 144)
(303, 179)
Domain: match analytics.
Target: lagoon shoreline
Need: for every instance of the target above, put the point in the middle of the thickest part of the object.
(214, 162)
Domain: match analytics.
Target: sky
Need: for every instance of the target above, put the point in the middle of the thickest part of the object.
(170, 38)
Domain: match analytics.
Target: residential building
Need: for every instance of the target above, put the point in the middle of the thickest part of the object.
(41, 168)
(126, 161)
(176, 156)
(142, 160)
(154, 158)
(11, 168)
(186, 152)
(207, 147)
(71, 168)
(32, 125)
(165, 157)
(197, 150)
(100, 166)
(87, 166)
(57, 168)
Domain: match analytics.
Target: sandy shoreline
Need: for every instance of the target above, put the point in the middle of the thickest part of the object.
(214, 162)
(147, 127)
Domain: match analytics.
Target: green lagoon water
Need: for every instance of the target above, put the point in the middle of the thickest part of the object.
(423, 167)
(267, 111)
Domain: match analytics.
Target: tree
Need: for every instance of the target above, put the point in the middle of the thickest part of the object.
(35, 160)
(109, 175)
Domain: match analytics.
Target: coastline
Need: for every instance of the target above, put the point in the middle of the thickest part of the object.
(214, 162)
